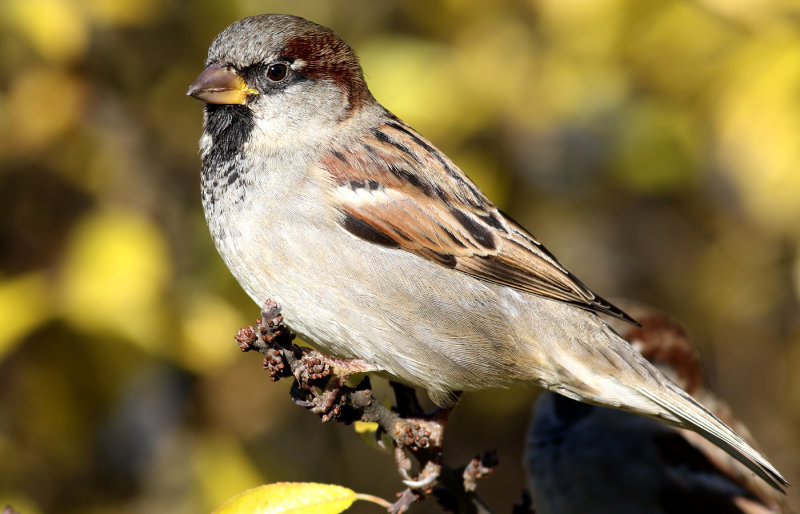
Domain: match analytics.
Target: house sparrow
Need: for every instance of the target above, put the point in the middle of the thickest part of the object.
(377, 246)
(582, 458)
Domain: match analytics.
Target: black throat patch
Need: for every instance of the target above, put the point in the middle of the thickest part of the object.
(230, 127)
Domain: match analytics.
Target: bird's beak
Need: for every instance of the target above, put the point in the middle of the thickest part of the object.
(220, 84)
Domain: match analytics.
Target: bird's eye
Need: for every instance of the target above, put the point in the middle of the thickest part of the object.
(277, 71)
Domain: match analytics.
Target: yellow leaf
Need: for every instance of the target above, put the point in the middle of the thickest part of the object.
(24, 305)
(294, 497)
(37, 123)
(125, 12)
(758, 119)
(368, 431)
(114, 276)
(750, 14)
(55, 28)
(207, 326)
(363, 427)
(222, 468)
(393, 67)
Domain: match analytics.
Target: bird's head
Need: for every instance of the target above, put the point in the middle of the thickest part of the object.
(281, 77)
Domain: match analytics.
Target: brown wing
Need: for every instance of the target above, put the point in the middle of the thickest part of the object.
(385, 197)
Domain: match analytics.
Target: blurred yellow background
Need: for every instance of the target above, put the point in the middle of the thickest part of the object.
(653, 146)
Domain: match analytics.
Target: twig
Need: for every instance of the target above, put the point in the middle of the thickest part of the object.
(320, 386)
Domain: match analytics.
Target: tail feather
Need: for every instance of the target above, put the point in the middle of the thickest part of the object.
(622, 378)
(695, 417)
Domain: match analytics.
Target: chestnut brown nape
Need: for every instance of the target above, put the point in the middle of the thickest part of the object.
(327, 57)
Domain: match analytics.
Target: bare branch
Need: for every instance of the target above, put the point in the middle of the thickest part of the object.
(320, 385)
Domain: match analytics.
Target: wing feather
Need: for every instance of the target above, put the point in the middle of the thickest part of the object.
(399, 190)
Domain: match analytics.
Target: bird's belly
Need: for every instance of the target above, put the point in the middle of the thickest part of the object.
(412, 318)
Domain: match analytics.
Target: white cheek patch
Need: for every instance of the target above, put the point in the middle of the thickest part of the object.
(304, 116)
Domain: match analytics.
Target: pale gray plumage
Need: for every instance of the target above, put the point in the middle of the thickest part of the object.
(377, 246)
